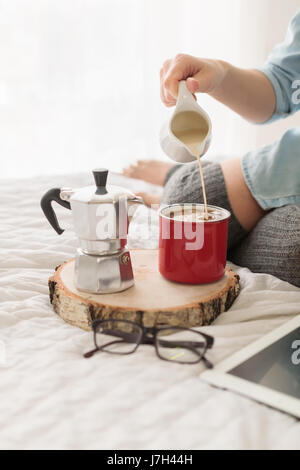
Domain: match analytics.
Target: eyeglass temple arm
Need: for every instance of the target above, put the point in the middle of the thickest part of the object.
(208, 364)
(209, 340)
(89, 354)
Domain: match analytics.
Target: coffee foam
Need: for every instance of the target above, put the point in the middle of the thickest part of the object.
(196, 215)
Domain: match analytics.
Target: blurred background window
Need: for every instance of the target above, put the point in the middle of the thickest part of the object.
(79, 79)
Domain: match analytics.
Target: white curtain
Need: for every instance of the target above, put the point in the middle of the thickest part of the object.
(79, 79)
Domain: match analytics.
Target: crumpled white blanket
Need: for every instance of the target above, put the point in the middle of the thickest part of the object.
(52, 398)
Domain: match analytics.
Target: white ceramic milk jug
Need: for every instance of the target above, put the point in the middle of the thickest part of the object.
(171, 145)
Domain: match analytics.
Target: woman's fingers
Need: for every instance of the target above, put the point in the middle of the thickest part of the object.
(199, 74)
(192, 84)
(168, 102)
(166, 99)
(203, 81)
(179, 68)
(177, 71)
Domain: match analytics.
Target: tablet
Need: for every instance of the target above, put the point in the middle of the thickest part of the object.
(267, 370)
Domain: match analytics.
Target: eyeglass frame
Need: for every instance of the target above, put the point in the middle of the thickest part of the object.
(148, 335)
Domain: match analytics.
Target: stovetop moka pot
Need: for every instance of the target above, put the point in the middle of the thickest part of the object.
(101, 216)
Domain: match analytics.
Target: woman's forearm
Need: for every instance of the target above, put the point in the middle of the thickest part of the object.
(247, 92)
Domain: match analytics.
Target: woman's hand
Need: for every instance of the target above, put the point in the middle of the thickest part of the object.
(201, 75)
(247, 92)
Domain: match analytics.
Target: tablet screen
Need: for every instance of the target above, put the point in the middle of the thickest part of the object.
(276, 367)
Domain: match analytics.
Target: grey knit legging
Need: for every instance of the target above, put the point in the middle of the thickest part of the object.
(272, 247)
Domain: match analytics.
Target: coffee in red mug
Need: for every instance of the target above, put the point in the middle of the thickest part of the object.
(192, 250)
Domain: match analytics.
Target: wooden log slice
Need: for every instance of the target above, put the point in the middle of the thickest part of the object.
(153, 300)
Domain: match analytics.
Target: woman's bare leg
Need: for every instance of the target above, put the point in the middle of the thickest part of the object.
(243, 204)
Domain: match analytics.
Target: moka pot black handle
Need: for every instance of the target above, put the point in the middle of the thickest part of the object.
(46, 205)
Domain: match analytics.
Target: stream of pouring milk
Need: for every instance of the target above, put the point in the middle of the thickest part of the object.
(192, 137)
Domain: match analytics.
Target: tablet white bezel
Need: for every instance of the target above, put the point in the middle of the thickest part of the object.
(220, 378)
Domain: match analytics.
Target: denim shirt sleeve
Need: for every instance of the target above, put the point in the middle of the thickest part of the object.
(283, 70)
(272, 173)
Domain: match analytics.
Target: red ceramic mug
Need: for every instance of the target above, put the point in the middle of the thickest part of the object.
(193, 250)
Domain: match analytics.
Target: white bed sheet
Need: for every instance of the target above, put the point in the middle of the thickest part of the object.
(52, 398)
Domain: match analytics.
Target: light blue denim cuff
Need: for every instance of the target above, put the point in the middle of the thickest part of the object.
(272, 172)
(266, 204)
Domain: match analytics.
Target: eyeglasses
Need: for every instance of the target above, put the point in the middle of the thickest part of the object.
(173, 344)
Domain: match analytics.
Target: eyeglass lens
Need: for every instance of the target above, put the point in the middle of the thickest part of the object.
(180, 345)
(117, 336)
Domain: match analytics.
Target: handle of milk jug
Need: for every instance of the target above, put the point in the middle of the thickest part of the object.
(184, 94)
(46, 205)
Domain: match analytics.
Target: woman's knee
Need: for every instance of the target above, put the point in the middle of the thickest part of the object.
(184, 185)
(175, 190)
(273, 246)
